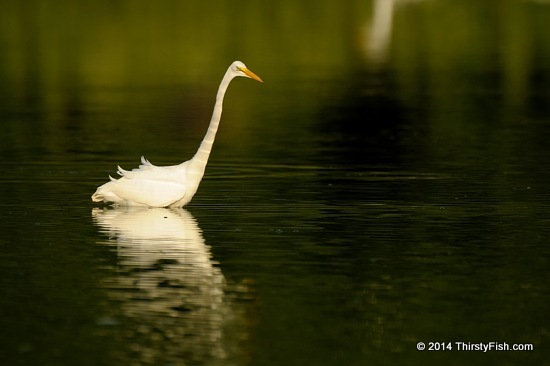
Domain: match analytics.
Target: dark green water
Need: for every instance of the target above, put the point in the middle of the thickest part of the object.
(355, 204)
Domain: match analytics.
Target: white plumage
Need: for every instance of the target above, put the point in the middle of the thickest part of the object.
(175, 185)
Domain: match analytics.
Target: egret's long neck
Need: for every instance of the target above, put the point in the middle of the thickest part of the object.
(201, 157)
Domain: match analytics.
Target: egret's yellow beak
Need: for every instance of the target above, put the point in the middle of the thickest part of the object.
(250, 74)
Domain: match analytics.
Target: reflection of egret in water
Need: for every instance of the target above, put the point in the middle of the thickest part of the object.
(167, 289)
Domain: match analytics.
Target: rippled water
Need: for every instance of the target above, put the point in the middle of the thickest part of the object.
(273, 264)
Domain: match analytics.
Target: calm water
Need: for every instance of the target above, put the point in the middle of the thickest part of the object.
(344, 217)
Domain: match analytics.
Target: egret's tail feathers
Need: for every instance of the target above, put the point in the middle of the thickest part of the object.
(121, 171)
(145, 163)
(96, 197)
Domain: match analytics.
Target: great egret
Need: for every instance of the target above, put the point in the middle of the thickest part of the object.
(175, 185)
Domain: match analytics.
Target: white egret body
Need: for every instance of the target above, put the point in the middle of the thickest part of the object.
(175, 185)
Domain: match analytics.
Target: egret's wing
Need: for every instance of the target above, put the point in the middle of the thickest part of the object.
(150, 185)
(150, 192)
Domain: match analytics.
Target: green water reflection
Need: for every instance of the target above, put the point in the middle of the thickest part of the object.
(386, 185)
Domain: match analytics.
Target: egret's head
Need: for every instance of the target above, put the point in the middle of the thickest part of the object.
(240, 69)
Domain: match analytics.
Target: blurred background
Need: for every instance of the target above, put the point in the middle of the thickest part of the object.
(401, 58)
(387, 184)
